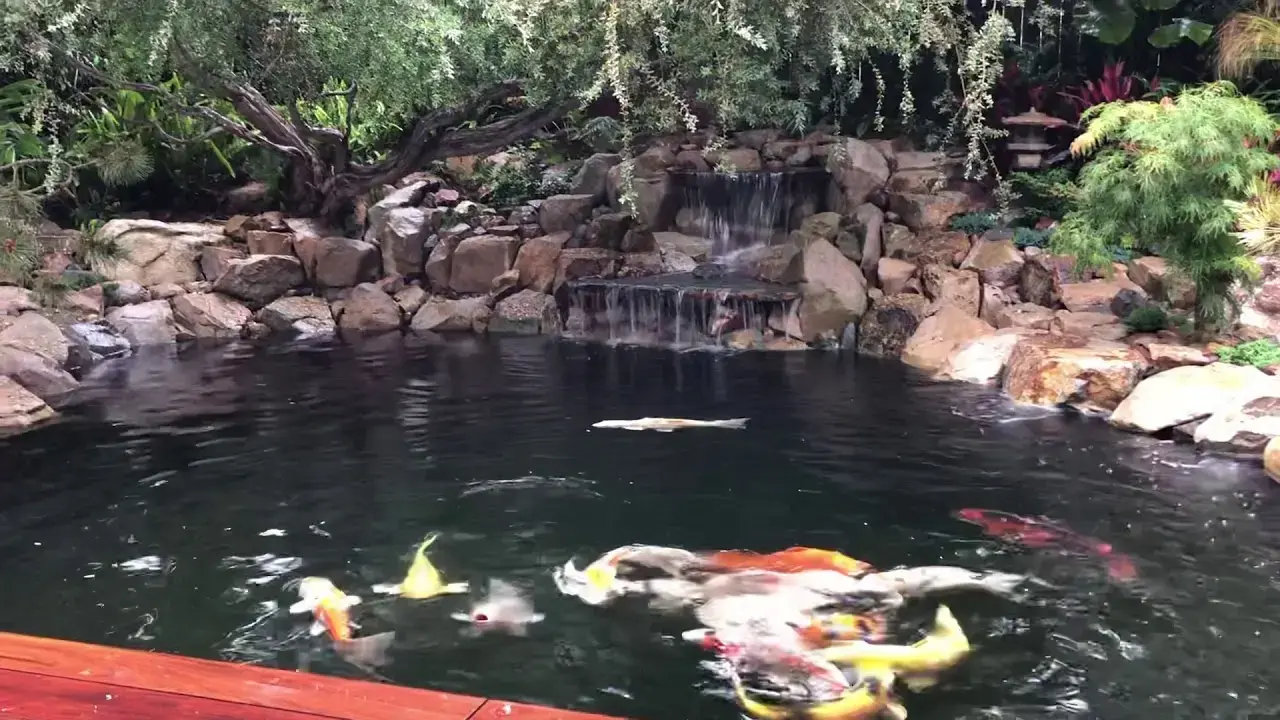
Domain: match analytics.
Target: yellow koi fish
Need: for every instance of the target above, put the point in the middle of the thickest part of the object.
(870, 698)
(423, 580)
(918, 664)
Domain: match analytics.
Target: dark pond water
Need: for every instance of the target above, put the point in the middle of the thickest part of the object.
(171, 508)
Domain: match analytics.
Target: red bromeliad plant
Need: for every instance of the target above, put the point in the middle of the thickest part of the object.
(1114, 85)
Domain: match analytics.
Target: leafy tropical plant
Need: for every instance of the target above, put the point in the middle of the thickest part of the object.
(1113, 86)
(1258, 353)
(1159, 176)
(1113, 21)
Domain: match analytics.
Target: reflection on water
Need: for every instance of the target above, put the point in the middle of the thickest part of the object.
(176, 506)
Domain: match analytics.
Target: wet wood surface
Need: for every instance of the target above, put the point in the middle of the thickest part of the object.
(46, 679)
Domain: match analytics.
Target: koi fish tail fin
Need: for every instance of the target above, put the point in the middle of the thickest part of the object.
(896, 710)
(537, 618)
(304, 605)
(733, 423)
(388, 589)
(458, 588)
(1005, 584)
(366, 652)
(427, 541)
(753, 708)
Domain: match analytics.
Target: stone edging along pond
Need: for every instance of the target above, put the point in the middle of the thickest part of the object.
(962, 308)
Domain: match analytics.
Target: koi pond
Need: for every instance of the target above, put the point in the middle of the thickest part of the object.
(180, 501)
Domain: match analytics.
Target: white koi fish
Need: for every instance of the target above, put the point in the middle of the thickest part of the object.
(671, 424)
(504, 609)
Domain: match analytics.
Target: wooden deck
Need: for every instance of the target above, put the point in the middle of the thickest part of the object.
(44, 679)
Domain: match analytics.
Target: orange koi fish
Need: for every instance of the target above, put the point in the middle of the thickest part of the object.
(330, 606)
(791, 560)
(824, 630)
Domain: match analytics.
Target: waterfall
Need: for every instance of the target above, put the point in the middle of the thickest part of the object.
(737, 211)
(671, 311)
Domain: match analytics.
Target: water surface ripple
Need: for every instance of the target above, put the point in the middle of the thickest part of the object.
(173, 509)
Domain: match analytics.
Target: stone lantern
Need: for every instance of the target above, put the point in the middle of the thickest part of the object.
(1027, 138)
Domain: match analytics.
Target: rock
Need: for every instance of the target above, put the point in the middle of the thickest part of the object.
(890, 323)
(736, 160)
(148, 323)
(564, 213)
(994, 303)
(369, 310)
(410, 195)
(650, 195)
(1246, 424)
(1271, 459)
(608, 230)
(961, 289)
(527, 313)
(477, 261)
(259, 279)
(981, 360)
(410, 299)
(899, 240)
(1089, 324)
(166, 291)
(858, 170)
(340, 262)
(215, 260)
(1184, 394)
(822, 226)
(153, 252)
(439, 265)
(894, 275)
(35, 372)
(576, 263)
(1128, 300)
(823, 266)
(124, 293)
(87, 303)
(641, 264)
(402, 238)
(16, 300)
(940, 334)
(822, 315)
(266, 242)
(1095, 295)
(302, 315)
(443, 315)
(210, 315)
(1148, 273)
(447, 197)
(1042, 277)
(929, 211)
(1054, 370)
(101, 339)
(998, 262)
(1165, 356)
(1024, 315)
(639, 240)
(933, 248)
(19, 409)
(537, 263)
(593, 177)
(696, 248)
(37, 334)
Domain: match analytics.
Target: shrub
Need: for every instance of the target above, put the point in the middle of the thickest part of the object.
(1147, 319)
(1259, 353)
(1047, 193)
(1160, 175)
(973, 223)
(1024, 237)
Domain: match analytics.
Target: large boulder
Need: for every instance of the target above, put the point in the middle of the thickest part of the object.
(37, 334)
(650, 186)
(890, 323)
(16, 300)
(1271, 458)
(564, 213)
(858, 170)
(302, 315)
(100, 340)
(259, 279)
(696, 249)
(438, 266)
(19, 408)
(268, 242)
(148, 323)
(822, 266)
(409, 195)
(939, 335)
(981, 360)
(735, 160)
(576, 263)
(593, 177)
(527, 312)
(1183, 395)
(537, 261)
(36, 373)
(369, 309)
(210, 315)
(1042, 277)
(1053, 370)
(822, 226)
(154, 253)
(337, 262)
(439, 314)
(1245, 424)
(960, 289)
(1023, 315)
(998, 262)
(894, 275)
(1089, 324)
(1096, 295)
(403, 234)
(925, 211)
(215, 259)
(477, 261)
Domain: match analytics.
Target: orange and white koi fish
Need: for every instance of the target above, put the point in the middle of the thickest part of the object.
(791, 560)
(330, 606)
